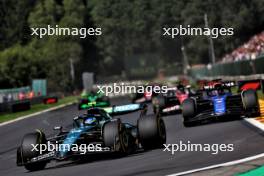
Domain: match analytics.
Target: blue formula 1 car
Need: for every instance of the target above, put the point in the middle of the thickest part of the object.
(93, 132)
(218, 102)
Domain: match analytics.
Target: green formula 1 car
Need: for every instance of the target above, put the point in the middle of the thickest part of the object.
(93, 99)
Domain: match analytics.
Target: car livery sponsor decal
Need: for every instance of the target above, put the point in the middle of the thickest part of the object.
(72, 137)
(41, 157)
(219, 104)
(124, 108)
(173, 108)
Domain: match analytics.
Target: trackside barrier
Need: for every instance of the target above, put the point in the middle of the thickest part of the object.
(238, 68)
(13, 94)
(13, 105)
(20, 106)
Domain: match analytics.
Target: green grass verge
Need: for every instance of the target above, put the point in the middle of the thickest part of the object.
(36, 108)
(254, 172)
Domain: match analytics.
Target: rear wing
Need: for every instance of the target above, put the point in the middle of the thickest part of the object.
(125, 109)
(209, 84)
(216, 85)
(256, 84)
(93, 104)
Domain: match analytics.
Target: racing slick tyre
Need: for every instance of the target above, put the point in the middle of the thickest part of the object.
(151, 131)
(250, 99)
(188, 108)
(25, 153)
(250, 102)
(188, 112)
(117, 137)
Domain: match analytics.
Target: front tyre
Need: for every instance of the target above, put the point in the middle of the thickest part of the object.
(25, 153)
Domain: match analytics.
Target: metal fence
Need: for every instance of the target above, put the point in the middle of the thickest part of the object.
(244, 67)
(7, 95)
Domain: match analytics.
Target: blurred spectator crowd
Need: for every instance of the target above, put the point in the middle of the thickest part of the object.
(249, 50)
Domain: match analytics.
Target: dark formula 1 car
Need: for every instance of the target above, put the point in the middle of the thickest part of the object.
(97, 130)
(93, 99)
(146, 95)
(142, 97)
(170, 102)
(217, 102)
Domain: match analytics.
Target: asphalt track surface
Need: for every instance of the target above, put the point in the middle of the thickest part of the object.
(246, 139)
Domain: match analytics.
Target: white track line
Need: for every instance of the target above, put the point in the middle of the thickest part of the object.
(36, 113)
(253, 122)
(219, 165)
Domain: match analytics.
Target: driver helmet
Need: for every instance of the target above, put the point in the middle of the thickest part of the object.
(90, 121)
(181, 88)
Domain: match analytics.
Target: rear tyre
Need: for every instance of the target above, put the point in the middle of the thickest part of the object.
(151, 131)
(25, 153)
(250, 102)
(19, 160)
(188, 112)
(188, 108)
(117, 137)
(250, 99)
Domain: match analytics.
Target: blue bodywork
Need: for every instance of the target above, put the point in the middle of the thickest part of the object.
(219, 103)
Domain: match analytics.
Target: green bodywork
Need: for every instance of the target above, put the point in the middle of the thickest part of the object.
(93, 100)
(94, 104)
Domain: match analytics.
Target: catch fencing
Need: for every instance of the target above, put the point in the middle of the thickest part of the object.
(238, 68)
